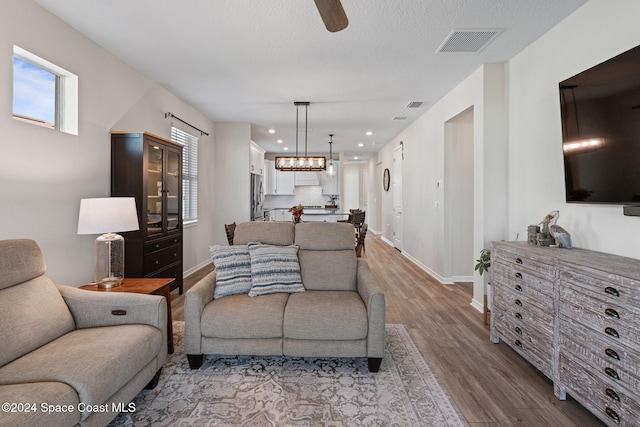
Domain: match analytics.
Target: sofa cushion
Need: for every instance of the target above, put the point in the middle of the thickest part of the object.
(51, 394)
(329, 270)
(20, 260)
(274, 269)
(233, 270)
(32, 314)
(325, 315)
(270, 233)
(96, 362)
(325, 236)
(240, 316)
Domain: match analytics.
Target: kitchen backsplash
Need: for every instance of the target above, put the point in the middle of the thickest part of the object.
(308, 195)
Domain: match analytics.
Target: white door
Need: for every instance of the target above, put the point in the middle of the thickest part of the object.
(397, 197)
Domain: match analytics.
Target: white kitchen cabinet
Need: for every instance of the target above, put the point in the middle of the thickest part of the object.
(284, 183)
(269, 179)
(256, 159)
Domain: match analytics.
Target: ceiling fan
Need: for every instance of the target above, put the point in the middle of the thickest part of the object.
(332, 14)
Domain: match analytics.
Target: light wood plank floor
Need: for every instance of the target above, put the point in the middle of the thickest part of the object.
(490, 383)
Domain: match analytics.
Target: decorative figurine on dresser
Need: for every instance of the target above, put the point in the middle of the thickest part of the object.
(149, 168)
(574, 314)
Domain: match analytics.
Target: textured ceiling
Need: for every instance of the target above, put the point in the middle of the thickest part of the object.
(249, 60)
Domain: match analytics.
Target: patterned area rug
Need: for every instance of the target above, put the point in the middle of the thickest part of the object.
(281, 391)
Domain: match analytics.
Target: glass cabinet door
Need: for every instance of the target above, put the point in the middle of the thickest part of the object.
(173, 183)
(154, 189)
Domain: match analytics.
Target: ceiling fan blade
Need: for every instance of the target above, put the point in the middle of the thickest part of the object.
(332, 14)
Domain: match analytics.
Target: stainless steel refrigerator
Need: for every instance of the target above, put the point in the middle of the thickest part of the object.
(257, 198)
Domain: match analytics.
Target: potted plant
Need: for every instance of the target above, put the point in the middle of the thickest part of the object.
(297, 212)
(482, 265)
(484, 262)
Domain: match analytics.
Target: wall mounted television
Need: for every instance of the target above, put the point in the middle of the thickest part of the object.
(600, 112)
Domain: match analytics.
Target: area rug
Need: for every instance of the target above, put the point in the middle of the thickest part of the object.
(289, 391)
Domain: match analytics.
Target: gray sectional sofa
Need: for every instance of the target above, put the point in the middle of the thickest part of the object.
(339, 313)
(68, 356)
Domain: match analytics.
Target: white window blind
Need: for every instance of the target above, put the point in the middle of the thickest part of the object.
(189, 173)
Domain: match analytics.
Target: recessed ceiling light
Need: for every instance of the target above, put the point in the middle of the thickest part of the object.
(355, 157)
(286, 148)
(369, 133)
(279, 141)
(272, 131)
(361, 145)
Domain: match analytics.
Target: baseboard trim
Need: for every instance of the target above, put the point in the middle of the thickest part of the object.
(430, 272)
(387, 241)
(478, 305)
(192, 270)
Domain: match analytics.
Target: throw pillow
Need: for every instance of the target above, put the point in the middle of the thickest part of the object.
(233, 270)
(274, 269)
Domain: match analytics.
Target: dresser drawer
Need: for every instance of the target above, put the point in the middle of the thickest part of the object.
(162, 258)
(611, 288)
(529, 261)
(522, 311)
(603, 355)
(534, 346)
(520, 281)
(610, 320)
(609, 401)
(157, 245)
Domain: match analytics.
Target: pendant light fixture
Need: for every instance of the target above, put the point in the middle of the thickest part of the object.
(331, 169)
(299, 163)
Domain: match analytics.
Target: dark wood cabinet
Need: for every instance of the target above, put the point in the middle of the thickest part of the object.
(149, 168)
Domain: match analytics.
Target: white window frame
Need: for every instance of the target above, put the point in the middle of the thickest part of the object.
(189, 174)
(66, 91)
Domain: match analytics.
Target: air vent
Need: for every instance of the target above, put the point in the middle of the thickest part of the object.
(414, 104)
(468, 41)
(400, 118)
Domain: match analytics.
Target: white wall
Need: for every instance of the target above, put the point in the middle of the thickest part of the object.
(594, 33)
(44, 173)
(233, 184)
(424, 147)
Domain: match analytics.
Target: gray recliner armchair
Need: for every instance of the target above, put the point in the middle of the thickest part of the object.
(63, 347)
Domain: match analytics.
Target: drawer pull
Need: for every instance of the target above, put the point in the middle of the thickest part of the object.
(612, 394)
(613, 415)
(518, 331)
(518, 288)
(611, 291)
(156, 262)
(519, 275)
(156, 246)
(519, 303)
(518, 316)
(611, 312)
(518, 260)
(612, 332)
(612, 353)
(612, 373)
(518, 343)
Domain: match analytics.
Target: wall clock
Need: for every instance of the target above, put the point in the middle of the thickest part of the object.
(386, 179)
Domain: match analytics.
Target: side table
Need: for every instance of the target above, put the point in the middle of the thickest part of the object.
(149, 286)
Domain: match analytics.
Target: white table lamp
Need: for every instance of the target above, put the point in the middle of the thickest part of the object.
(108, 215)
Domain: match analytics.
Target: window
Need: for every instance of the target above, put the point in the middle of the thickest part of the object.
(189, 173)
(43, 93)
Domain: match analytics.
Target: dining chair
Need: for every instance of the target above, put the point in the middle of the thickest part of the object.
(230, 230)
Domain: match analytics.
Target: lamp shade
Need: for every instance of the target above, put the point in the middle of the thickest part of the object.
(107, 215)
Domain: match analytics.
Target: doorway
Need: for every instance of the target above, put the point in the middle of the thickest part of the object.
(458, 197)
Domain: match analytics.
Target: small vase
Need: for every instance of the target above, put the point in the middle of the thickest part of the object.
(296, 219)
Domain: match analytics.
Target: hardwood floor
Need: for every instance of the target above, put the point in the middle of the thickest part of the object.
(490, 383)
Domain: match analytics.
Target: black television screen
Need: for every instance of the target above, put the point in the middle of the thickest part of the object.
(600, 110)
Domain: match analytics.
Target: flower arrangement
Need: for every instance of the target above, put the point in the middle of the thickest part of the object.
(297, 212)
